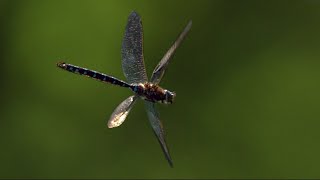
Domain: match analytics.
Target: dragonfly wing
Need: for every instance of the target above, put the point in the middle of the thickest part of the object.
(121, 112)
(159, 71)
(132, 50)
(156, 124)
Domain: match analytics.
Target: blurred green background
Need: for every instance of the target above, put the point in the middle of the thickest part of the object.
(247, 79)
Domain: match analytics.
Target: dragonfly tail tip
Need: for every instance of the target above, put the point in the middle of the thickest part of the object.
(61, 64)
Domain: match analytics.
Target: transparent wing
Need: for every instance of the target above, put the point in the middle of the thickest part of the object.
(121, 112)
(132, 51)
(156, 124)
(158, 72)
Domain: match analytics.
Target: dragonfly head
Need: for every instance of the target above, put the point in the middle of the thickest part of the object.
(169, 96)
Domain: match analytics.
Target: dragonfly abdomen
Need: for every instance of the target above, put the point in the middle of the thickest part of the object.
(93, 74)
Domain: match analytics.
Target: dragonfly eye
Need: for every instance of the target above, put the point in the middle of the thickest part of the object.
(170, 96)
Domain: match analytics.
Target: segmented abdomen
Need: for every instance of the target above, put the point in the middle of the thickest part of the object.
(93, 74)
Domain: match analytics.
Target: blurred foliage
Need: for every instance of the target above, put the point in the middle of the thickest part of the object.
(247, 83)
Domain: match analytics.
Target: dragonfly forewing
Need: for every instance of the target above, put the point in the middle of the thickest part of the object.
(132, 50)
(121, 112)
(156, 124)
(160, 69)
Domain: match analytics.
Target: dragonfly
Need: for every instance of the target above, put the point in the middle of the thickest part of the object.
(137, 81)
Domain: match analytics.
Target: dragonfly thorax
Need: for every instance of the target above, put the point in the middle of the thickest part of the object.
(154, 93)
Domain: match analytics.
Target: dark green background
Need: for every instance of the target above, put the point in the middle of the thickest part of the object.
(246, 77)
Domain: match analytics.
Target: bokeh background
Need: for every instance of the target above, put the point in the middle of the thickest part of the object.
(247, 79)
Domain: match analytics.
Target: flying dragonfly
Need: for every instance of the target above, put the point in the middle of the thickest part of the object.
(137, 80)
